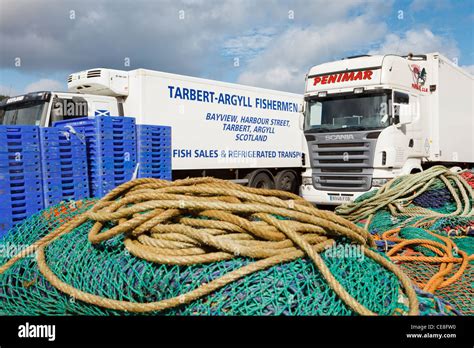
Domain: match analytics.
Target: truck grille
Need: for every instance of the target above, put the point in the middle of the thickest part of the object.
(342, 165)
(341, 156)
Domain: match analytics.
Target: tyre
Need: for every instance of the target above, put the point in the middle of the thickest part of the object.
(286, 180)
(261, 180)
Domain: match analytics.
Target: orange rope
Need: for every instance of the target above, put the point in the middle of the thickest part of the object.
(445, 257)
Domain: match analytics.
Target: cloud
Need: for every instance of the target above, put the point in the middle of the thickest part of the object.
(276, 41)
(173, 36)
(45, 85)
(248, 44)
(189, 37)
(285, 62)
(418, 41)
(469, 69)
(8, 91)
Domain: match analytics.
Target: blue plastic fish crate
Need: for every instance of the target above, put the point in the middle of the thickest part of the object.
(14, 146)
(20, 167)
(111, 150)
(20, 157)
(17, 212)
(6, 178)
(9, 158)
(154, 151)
(112, 144)
(162, 157)
(65, 166)
(19, 138)
(12, 205)
(104, 127)
(7, 223)
(21, 193)
(59, 146)
(102, 185)
(146, 129)
(8, 132)
(99, 122)
(18, 185)
(54, 137)
(21, 197)
(119, 161)
(64, 162)
(62, 186)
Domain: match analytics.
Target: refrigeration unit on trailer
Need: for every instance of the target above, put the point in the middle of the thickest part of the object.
(371, 118)
(246, 134)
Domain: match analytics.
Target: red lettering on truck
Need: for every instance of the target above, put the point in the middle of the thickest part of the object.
(343, 77)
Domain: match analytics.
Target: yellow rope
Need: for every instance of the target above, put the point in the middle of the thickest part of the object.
(398, 193)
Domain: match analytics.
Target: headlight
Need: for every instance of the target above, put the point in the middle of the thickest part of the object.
(307, 180)
(379, 182)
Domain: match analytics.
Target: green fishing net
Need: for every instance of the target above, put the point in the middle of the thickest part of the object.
(459, 229)
(108, 270)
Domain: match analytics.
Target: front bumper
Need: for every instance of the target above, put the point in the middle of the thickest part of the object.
(314, 196)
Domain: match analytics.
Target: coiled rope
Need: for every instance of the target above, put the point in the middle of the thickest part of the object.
(444, 249)
(398, 193)
(397, 196)
(204, 220)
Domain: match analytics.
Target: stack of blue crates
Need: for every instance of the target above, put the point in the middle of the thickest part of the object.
(154, 152)
(21, 193)
(64, 163)
(111, 150)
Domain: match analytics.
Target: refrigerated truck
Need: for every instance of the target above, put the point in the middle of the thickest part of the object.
(369, 119)
(246, 134)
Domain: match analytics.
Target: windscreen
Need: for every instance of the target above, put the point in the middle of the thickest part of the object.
(348, 112)
(28, 113)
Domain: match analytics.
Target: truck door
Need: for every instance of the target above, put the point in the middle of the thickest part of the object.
(414, 129)
(407, 115)
(103, 106)
(66, 108)
(100, 108)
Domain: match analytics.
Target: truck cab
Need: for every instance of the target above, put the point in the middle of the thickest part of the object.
(363, 124)
(44, 108)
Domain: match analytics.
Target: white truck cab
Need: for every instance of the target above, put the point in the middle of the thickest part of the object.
(44, 108)
(371, 118)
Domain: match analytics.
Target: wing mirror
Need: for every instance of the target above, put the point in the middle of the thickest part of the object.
(404, 113)
(301, 108)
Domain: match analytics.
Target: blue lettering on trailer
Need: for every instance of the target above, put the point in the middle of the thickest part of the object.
(182, 153)
(248, 128)
(213, 153)
(206, 154)
(184, 93)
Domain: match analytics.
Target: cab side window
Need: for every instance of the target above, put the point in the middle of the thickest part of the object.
(399, 98)
(64, 108)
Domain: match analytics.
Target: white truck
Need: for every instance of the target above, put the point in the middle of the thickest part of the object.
(371, 118)
(245, 134)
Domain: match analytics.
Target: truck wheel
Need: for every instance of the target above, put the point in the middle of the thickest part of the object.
(262, 180)
(286, 181)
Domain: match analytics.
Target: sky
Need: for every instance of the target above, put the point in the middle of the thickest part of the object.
(264, 43)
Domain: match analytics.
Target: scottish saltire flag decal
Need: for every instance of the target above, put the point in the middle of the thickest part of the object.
(102, 113)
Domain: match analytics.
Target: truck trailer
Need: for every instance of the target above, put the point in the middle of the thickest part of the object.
(369, 119)
(246, 134)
